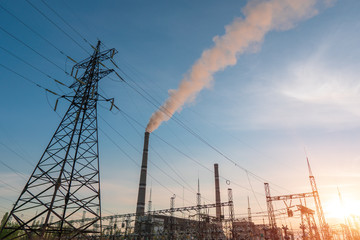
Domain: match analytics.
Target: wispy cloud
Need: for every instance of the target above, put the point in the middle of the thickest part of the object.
(311, 92)
(312, 82)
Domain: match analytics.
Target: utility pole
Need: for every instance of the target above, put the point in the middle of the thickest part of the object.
(66, 180)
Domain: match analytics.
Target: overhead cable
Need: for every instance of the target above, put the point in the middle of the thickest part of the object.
(47, 5)
(31, 29)
(29, 80)
(57, 26)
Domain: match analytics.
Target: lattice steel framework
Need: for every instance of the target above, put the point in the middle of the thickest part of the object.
(231, 213)
(66, 181)
(323, 225)
(172, 219)
(311, 224)
(271, 214)
(198, 211)
(249, 211)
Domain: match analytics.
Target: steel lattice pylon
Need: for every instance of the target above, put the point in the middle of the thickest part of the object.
(271, 214)
(66, 181)
(323, 225)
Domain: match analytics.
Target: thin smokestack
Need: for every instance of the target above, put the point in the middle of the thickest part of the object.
(217, 192)
(241, 36)
(140, 207)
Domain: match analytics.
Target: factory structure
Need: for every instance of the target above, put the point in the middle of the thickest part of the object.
(66, 182)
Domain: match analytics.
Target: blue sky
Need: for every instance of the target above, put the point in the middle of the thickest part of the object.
(298, 91)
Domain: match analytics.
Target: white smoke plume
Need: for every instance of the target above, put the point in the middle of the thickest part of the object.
(243, 34)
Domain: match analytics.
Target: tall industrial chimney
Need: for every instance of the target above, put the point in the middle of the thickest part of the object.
(140, 207)
(217, 192)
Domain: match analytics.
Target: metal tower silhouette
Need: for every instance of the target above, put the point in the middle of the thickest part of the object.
(323, 225)
(249, 211)
(65, 183)
(271, 214)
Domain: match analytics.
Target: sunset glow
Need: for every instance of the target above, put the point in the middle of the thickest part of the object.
(180, 120)
(334, 209)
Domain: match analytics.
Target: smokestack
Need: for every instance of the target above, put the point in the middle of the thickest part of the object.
(217, 192)
(140, 207)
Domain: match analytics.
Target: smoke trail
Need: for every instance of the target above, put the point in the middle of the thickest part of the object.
(243, 34)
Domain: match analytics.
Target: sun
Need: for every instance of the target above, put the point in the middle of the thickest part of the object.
(334, 209)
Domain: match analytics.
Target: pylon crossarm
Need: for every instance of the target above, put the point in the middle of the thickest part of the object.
(101, 57)
(104, 73)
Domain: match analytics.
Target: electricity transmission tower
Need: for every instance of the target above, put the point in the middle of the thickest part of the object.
(65, 183)
(271, 214)
(323, 225)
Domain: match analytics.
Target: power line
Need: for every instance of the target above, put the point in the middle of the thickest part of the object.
(29, 64)
(38, 53)
(140, 134)
(133, 160)
(10, 187)
(7, 199)
(33, 165)
(173, 170)
(31, 29)
(188, 129)
(47, 5)
(218, 151)
(153, 150)
(181, 123)
(17, 154)
(194, 134)
(152, 161)
(13, 170)
(17, 39)
(13, 141)
(157, 153)
(252, 189)
(221, 153)
(138, 73)
(29, 80)
(139, 151)
(57, 26)
(184, 154)
(197, 162)
(80, 21)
